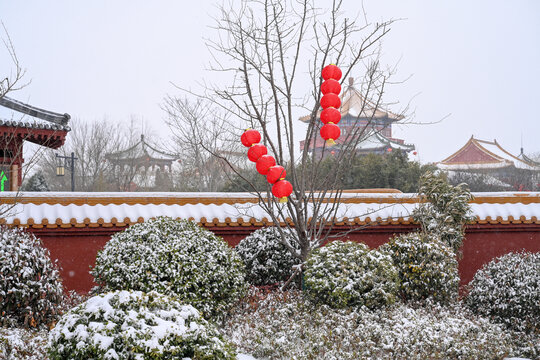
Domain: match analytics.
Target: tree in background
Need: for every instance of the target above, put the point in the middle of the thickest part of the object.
(36, 182)
(387, 171)
(200, 129)
(91, 141)
(271, 49)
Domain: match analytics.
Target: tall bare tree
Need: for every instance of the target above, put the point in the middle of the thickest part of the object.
(199, 129)
(91, 142)
(10, 150)
(271, 49)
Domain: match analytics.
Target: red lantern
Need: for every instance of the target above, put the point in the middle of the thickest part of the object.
(282, 189)
(264, 163)
(256, 151)
(250, 137)
(330, 132)
(330, 86)
(330, 115)
(275, 173)
(330, 100)
(331, 72)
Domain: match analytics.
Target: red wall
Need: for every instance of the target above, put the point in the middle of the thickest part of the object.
(76, 248)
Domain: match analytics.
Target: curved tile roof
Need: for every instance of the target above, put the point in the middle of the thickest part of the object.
(479, 154)
(239, 209)
(52, 120)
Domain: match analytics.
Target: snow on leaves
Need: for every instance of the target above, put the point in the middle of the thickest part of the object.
(30, 287)
(176, 258)
(135, 325)
(267, 260)
(345, 274)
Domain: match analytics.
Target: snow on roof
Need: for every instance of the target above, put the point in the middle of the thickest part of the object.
(354, 103)
(42, 119)
(376, 140)
(479, 154)
(141, 149)
(235, 209)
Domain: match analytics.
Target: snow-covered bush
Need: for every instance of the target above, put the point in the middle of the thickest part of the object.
(135, 325)
(23, 344)
(284, 326)
(30, 286)
(267, 260)
(445, 209)
(507, 289)
(176, 258)
(345, 274)
(427, 268)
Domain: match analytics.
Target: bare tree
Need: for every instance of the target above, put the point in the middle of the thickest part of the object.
(11, 149)
(91, 142)
(14, 80)
(271, 49)
(199, 130)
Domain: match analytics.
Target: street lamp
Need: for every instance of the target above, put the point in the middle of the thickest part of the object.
(60, 168)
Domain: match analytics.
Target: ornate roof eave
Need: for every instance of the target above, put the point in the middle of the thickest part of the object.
(345, 109)
(498, 161)
(60, 119)
(128, 156)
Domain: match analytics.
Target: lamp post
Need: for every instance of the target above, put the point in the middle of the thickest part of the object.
(60, 170)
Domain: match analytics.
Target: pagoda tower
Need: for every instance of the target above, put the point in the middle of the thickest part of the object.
(358, 112)
(143, 164)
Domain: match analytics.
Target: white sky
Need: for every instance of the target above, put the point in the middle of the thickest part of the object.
(478, 61)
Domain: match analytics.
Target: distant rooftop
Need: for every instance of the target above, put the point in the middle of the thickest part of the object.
(479, 154)
(141, 151)
(353, 103)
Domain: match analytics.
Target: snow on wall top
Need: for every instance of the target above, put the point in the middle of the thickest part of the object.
(237, 209)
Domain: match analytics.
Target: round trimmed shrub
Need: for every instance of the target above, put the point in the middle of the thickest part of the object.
(176, 258)
(31, 291)
(267, 260)
(135, 325)
(345, 274)
(427, 267)
(507, 290)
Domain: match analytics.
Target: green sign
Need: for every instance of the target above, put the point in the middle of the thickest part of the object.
(4, 182)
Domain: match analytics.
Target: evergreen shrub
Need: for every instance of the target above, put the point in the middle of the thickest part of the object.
(135, 325)
(507, 290)
(31, 291)
(285, 326)
(344, 274)
(176, 258)
(427, 268)
(267, 260)
(445, 209)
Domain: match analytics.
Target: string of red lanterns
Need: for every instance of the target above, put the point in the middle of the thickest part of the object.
(266, 165)
(330, 102)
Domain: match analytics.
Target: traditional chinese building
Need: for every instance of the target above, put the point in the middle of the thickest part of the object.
(142, 164)
(490, 158)
(372, 123)
(45, 128)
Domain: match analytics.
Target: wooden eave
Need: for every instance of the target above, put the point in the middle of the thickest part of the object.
(50, 138)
